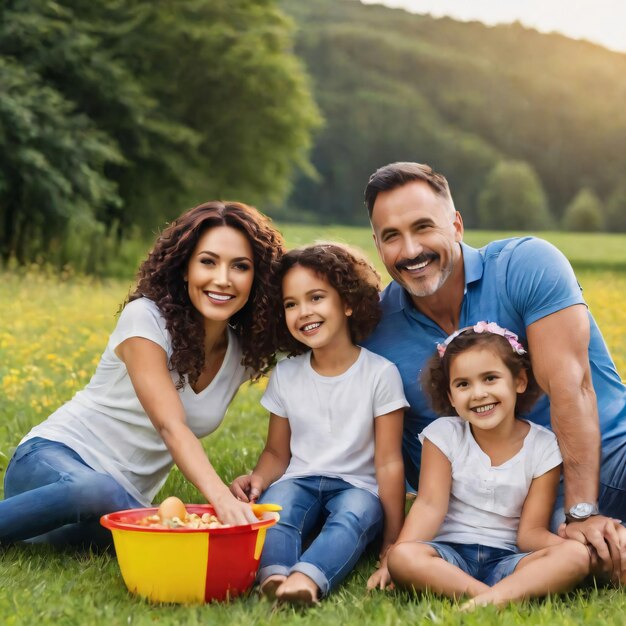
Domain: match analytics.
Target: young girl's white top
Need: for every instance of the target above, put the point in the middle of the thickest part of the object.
(332, 417)
(106, 424)
(486, 501)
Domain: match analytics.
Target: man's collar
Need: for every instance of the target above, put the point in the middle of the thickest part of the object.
(472, 264)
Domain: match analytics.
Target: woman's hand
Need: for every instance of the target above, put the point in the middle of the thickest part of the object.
(247, 488)
(231, 511)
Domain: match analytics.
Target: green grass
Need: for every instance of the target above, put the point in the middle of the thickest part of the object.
(41, 586)
(51, 335)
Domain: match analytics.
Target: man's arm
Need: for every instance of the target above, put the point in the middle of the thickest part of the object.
(558, 346)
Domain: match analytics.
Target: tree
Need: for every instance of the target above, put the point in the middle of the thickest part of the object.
(87, 120)
(513, 199)
(226, 70)
(51, 165)
(616, 210)
(152, 105)
(584, 213)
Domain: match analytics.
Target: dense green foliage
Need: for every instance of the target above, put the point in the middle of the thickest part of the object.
(460, 96)
(513, 198)
(117, 114)
(615, 211)
(584, 213)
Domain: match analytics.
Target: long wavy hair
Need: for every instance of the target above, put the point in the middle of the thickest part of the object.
(161, 278)
(349, 272)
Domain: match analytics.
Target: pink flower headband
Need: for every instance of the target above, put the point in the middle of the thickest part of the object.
(484, 327)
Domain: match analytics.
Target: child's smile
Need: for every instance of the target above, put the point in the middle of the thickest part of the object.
(311, 329)
(484, 409)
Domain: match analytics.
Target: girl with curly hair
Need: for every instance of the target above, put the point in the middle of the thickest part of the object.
(479, 526)
(192, 331)
(333, 452)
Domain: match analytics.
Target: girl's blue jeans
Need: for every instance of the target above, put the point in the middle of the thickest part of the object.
(485, 563)
(53, 496)
(351, 518)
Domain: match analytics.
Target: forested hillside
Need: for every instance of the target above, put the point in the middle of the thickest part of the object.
(115, 116)
(525, 118)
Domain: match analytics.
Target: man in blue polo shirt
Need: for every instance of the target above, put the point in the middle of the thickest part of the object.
(441, 284)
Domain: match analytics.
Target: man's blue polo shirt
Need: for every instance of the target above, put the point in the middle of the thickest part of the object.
(513, 282)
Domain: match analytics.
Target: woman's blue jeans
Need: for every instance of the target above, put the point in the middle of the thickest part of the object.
(351, 518)
(53, 496)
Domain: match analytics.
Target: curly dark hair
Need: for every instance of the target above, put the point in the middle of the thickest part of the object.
(436, 375)
(350, 273)
(161, 278)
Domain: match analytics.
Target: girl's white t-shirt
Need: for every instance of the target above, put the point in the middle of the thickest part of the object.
(486, 501)
(332, 417)
(106, 424)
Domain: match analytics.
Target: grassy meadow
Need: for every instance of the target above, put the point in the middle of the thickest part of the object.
(52, 331)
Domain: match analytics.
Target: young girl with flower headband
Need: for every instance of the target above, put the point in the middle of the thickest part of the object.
(333, 454)
(488, 480)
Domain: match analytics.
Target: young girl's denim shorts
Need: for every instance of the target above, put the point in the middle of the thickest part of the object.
(485, 563)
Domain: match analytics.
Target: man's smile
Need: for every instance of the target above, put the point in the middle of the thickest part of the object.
(416, 264)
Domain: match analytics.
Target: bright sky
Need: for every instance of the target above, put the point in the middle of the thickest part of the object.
(600, 21)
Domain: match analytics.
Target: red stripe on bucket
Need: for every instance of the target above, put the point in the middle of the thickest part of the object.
(236, 567)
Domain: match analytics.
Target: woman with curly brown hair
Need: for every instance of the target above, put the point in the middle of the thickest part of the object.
(192, 331)
(333, 451)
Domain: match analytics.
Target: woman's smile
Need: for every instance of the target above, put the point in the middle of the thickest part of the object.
(219, 298)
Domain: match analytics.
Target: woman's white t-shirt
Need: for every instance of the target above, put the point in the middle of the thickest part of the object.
(332, 417)
(486, 501)
(106, 424)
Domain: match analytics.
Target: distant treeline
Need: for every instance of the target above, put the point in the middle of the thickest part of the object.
(530, 129)
(114, 116)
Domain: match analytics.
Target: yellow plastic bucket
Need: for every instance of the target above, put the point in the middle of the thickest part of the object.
(186, 565)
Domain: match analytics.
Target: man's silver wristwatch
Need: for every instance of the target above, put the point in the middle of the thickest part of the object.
(582, 511)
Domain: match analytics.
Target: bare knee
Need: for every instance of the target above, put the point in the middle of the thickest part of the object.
(406, 558)
(575, 553)
(578, 555)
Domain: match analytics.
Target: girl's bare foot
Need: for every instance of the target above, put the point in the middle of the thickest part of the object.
(298, 588)
(468, 607)
(476, 601)
(271, 584)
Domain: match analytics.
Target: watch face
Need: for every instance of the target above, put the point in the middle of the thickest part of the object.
(583, 509)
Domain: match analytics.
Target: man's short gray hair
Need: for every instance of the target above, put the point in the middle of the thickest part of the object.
(398, 174)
